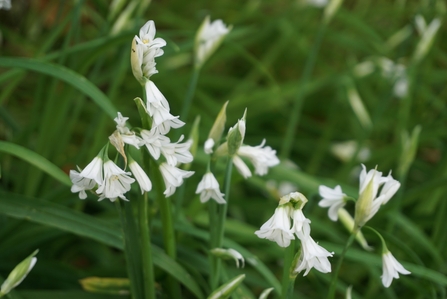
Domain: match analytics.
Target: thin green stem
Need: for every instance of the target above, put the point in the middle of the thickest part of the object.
(130, 250)
(190, 94)
(288, 282)
(169, 242)
(334, 279)
(146, 248)
(298, 104)
(218, 232)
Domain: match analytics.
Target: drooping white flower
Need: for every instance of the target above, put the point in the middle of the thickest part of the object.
(301, 225)
(229, 253)
(173, 177)
(154, 141)
(312, 256)
(93, 170)
(391, 268)
(277, 228)
(241, 167)
(261, 157)
(116, 182)
(81, 184)
(147, 36)
(155, 99)
(5, 4)
(370, 199)
(127, 136)
(164, 120)
(177, 152)
(208, 147)
(141, 176)
(332, 198)
(209, 36)
(209, 188)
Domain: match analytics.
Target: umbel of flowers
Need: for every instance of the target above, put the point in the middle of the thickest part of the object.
(104, 176)
(262, 157)
(287, 223)
(375, 190)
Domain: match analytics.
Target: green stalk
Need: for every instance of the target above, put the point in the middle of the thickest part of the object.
(131, 248)
(334, 279)
(190, 94)
(146, 248)
(288, 281)
(218, 234)
(298, 104)
(167, 226)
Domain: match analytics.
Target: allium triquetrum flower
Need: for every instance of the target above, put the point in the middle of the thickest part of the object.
(127, 136)
(370, 199)
(391, 268)
(209, 36)
(277, 228)
(313, 256)
(209, 188)
(81, 184)
(116, 182)
(173, 177)
(332, 198)
(141, 176)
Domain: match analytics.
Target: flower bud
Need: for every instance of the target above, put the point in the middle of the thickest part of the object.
(236, 135)
(225, 290)
(18, 274)
(100, 285)
(229, 254)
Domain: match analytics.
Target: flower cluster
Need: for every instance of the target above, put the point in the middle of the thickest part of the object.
(375, 190)
(289, 221)
(103, 174)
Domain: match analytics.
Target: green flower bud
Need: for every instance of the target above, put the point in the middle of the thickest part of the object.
(225, 290)
(100, 285)
(18, 274)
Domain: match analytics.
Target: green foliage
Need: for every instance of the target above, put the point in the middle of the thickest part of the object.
(65, 71)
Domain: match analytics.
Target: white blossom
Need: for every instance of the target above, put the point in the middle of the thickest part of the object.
(127, 136)
(312, 256)
(81, 184)
(209, 36)
(154, 141)
(164, 120)
(141, 176)
(116, 182)
(261, 157)
(209, 188)
(177, 152)
(332, 198)
(370, 199)
(155, 99)
(173, 177)
(391, 268)
(301, 225)
(93, 170)
(277, 228)
(208, 147)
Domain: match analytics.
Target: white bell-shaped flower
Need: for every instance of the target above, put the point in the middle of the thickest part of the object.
(209, 188)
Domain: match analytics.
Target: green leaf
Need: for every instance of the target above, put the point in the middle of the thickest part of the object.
(60, 72)
(36, 160)
(63, 218)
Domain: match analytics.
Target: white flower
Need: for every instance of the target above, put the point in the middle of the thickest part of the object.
(177, 152)
(332, 198)
(208, 147)
(229, 253)
(301, 225)
(164, 120)
(209, 188)
(147, 36)
(155, 99)
(208, 38)
(81, 184)
(391, 269)
(127, 136)
(141, 176)
(370, 199)
(116, 182)
(154, 141)
(5, 4)
(93, 170)
(261, 157)
(241, 167)
(313, 256)
(277, 228)
(173, 177)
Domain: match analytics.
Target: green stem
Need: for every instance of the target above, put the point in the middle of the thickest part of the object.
(217, 233)
(167, 226)
(131, 250)
(146, 248)
(333, 285)
(298, 104)
(288, 281)
(190, 94)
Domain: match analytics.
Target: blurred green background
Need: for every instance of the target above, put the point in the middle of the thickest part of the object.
(367, 49)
